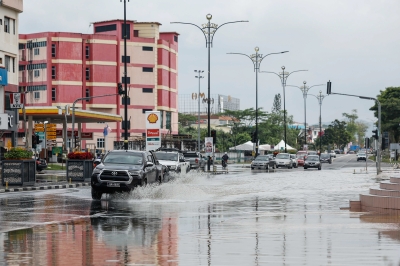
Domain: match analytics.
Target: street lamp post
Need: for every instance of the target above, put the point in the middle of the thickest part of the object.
(304, 89)
(125, 84)
(209, 29)
(198, 97)
(320, 98)
(257, 59)
(283, 77)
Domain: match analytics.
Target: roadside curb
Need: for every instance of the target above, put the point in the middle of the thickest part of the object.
(22, 189)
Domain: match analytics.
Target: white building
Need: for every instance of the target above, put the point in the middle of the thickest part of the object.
(9, 11)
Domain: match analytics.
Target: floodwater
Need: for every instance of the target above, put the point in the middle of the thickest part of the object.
(291, 217)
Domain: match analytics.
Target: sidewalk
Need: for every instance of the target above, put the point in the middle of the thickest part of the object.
(50, 179)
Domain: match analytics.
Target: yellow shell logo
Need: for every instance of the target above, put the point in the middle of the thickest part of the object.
(152, 118)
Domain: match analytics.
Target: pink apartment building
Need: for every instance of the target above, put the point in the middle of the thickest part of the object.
(56, 68)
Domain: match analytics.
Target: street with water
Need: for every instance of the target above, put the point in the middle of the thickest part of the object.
(244, 217)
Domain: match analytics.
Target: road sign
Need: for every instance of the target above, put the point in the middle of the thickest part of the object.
(16, 105)
(48, 126)
(51, 137)
(51, 133)
(39, 125)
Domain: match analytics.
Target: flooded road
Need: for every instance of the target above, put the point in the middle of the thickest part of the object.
(290, 217)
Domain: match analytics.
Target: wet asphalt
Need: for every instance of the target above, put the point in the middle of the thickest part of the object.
(244, 217)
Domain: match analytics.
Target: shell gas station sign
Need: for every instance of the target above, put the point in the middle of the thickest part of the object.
(153, 133)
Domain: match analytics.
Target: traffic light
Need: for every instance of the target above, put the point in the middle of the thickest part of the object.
(253, 137)
(214, 136)
(120, 90)
(367, 143)
(328, 87)
(375, 135)
(34, 141)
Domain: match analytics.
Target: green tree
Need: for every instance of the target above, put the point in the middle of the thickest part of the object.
(276, 106)
(336, 134)
(351, 123)
(390, 112)
(186, 119)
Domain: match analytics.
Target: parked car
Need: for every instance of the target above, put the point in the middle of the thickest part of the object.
(333, 154)
(262, 162)
(122, 171)
(294, 160)
(175, 161)
(41, 164)
(196, 159)
(283, 160)
(312, 161)
(337, 151)
(326, 158)
(300, 159)
(351, 152)
(361, 156)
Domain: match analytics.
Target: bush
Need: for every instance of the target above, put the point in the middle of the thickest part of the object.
(80, 155)
(18, 154)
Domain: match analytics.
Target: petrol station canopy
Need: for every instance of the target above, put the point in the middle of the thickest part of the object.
(51, 113)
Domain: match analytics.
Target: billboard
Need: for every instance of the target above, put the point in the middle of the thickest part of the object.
(209, 146)
(153, 132)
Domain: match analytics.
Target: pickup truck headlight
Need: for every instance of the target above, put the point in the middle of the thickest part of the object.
(134, 173)
(96, 171)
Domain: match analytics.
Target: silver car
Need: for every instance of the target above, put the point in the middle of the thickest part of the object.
(284, 160)
(262, 162)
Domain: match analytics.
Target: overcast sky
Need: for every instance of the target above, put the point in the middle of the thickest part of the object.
(355, 44)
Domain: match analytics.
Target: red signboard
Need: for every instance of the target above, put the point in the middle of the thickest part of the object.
(153, 132)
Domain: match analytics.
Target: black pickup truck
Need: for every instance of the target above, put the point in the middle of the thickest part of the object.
(121, 170)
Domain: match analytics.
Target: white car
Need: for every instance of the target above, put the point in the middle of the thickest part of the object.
(175, 161)
(284, 160)
(333, 154)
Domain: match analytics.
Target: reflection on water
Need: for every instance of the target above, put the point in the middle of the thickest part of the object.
(238, 219)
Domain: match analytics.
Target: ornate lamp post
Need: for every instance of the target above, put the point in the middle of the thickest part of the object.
(257, 59)
(320, 98)
(283, 77)
(209, 29)
(304, 89)
(198, 97)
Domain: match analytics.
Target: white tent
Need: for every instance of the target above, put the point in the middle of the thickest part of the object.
(248, 146)
(281, 144)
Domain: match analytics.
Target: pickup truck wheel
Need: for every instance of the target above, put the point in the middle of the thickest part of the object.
(96, 195)
(143, 183)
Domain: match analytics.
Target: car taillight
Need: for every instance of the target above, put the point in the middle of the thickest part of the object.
(197, 160)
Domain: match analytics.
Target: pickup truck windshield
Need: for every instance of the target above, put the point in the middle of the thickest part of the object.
(123, 158)
(191, 155)
(167, 156)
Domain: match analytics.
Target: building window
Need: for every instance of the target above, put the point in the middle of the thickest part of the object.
(36, 73)
(36, 51)
(145, 110)
(128, 59)
(53, 50)
(13, 64)
(7, 24)
(53, 94)
(87, 51)
(105, 28)
(147, 90)
(21, 46)
(13, 21)
(21, 68)
(175, 38)
(127, 32)
(147, 48)
(7, 62)
(161, 119)
(53, 72)
(147, 69)
(87, 73)
(136, 33)
(87, 94)
(168, 120)
(128, 80)
(100, 143)
(37, 94)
